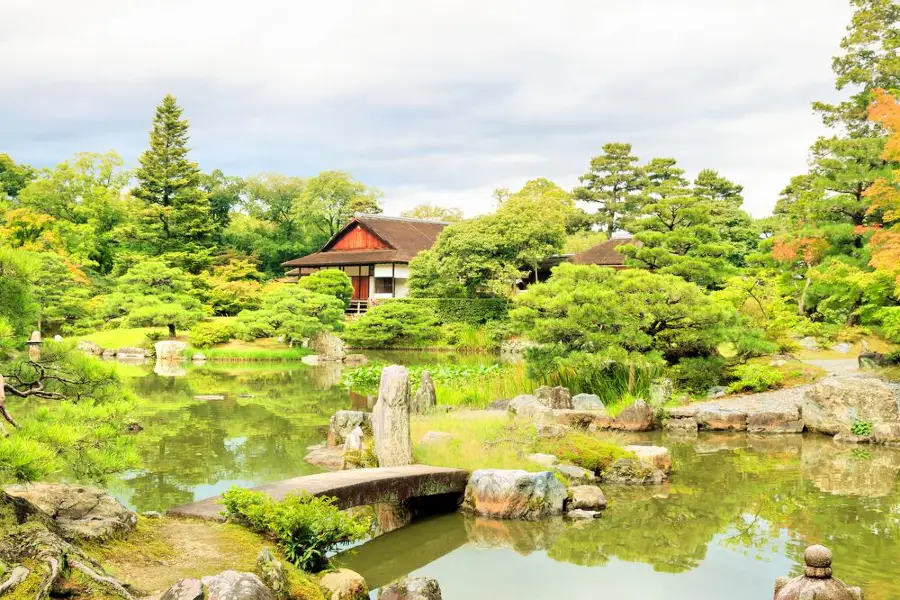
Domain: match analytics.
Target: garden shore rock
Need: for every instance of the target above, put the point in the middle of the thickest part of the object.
(586, 497)
(170, 350)
(593, 420)
(81, 512)
(390, 419)
(89, 347)
(589, 402)
(328, 347)
(345, 421)
(653, 457)
(832, 405)
(636, 417)
(234, 585)
(528, 408)
(426, 397)
(330, 459)
(344, 584)
(413, 588)
(514, 494)
(774, 412)
(556, 397)
(630, 471)
(271, 571)
(576, 475)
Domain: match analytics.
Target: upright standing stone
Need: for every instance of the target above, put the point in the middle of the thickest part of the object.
(34, 346)
(816, 583)
(390, 419)
(426, 396)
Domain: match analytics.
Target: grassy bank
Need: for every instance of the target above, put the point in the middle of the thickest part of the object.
(492, 440)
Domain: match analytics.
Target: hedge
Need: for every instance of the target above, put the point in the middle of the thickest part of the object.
(474, 311)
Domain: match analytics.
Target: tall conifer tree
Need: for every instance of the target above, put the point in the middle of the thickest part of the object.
(178, 217)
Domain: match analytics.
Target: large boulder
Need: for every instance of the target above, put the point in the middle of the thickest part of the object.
(514, 494)
(554, 397)
(343, 422)
(775, 420)
(170, 350)
(325, 457)
(131, 353)
(713, 418)
(636, 417)
(832, 405)
(588, 402)
(89, 347)
(234, 585)
(426, 397)
(390, 419)
(81, 512)
(328, 347)
(412, 588)
(529, 408)
(344, 584)
(631, 471)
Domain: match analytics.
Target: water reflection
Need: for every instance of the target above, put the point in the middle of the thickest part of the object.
(736, 515)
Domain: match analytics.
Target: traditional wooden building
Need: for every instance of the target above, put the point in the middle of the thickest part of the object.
(374, 251)
(604, 254)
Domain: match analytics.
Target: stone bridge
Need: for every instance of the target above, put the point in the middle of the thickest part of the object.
(357, 487)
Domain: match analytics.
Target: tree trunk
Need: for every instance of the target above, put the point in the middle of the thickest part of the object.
(801, 302)
(171, 330)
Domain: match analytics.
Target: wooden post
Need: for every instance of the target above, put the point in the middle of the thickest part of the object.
(393, 280)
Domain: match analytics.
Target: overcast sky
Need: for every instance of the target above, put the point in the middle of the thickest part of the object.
(431, 101)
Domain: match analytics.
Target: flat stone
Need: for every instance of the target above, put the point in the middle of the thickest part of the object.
(583, 419)
(682, 424)
(787, 420)
(545, 460)
(576, 475)
(718, 419)
(587, 497)
(579, 513)
(210, 397)
(328, 458)
(850, 438)
(356, 359)
(630, 471)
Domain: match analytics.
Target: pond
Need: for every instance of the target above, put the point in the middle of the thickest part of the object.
(735, 516)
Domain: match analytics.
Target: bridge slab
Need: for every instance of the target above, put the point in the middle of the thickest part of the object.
(355, 487)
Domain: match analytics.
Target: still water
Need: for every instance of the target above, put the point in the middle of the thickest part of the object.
(736, 515)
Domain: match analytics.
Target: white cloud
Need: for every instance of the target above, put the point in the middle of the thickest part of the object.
(438, 100)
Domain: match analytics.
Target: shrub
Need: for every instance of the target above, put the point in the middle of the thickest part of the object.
(755, 377)
(394, 324)
(330, 282)
(583, 450)
(154, 335)
(697, 375)
(209, 333)
(473, 311)
(291, 312)
(306, 527)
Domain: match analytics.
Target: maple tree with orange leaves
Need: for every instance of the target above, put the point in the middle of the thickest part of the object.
(885, 192)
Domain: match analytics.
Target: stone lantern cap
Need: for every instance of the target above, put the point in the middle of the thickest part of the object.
(816, 581)
(35, 338)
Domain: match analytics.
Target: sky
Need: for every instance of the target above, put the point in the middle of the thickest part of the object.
(430, 101)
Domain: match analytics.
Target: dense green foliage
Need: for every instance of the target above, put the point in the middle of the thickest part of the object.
(755, 378)
(366, 378)
(210, 333)
(306, 527)
(331, 282)
(394, 324)
(473, 311)
(292, 313)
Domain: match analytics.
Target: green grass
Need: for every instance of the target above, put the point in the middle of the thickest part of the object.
(122, 338)
(227, 353)
(492, 441)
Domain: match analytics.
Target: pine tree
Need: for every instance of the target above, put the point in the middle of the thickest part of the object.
(177, 218)
(614, 182)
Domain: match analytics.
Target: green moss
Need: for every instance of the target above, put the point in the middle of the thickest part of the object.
(145, 542)
(28, 589)
(583, 450)
(300, 585)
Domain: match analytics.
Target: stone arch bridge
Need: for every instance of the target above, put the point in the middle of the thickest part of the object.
(357, 487)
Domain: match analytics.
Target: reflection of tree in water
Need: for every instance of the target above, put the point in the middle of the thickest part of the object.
(258, 433)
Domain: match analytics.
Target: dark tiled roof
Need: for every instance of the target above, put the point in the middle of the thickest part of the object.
(406, 237)
(604, 253)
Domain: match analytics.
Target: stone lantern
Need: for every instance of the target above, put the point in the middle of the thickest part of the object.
(816, 583)
(34, 346)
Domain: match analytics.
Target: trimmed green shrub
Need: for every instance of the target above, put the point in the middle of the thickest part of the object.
(330, 282)
(697, 375)
(756, 378)
(474, 311)
(209, 333)
(394, 324)
(292, 313)
(306, 527)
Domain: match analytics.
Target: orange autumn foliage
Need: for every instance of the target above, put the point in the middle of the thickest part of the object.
(885, 192)
(808, 249)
